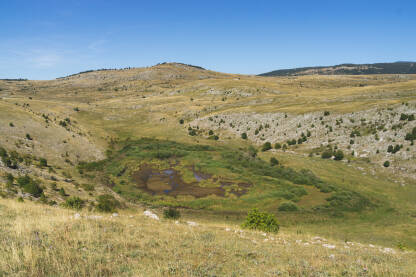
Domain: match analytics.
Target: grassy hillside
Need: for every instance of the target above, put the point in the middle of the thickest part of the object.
(47, 241)
(172, 135)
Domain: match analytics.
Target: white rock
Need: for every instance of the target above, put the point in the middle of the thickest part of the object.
(332, 256)
(77, 216)
(95, 217)
(115, 214)
(151, 215)
(330, 246)
(191, 223)
(227, 229)
(388, 250)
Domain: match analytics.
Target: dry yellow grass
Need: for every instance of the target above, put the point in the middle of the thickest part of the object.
(38, 240)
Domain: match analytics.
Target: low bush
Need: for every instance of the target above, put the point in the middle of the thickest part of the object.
(29, 185)
(88, 187)
(262, 221)
(266, 146)
(339, 155)
(43, 162)
(171, 213)
(74, 202)
(326, 154)
(107, 203)
(273, 161)
(288, 207)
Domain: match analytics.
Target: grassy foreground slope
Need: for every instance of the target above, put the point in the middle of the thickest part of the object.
(47, 241)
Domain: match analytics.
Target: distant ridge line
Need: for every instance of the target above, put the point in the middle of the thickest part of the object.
(399, 67)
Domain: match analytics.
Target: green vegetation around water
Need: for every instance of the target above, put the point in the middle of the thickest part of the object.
(216, 178)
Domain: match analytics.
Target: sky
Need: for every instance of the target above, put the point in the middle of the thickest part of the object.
(46, 39)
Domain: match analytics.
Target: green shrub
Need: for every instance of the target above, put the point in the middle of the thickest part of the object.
(181, 121)
(74, 202)
(62, 192)
(244, 135)
(171, 213)
(339, 155)
(273, 161)
(288, 207)
(262, 221)
(10, 179)
(386, 164)
(348, 201)
(326, 154)
(28, 137)
(107, 203)
(88, 187)
(43, 162)
(277, 146)
(29, 185)
(266, 146)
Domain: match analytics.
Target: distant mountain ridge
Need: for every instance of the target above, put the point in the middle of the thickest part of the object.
(348, 69)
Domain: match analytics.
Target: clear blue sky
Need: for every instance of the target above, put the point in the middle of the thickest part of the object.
(52, 38)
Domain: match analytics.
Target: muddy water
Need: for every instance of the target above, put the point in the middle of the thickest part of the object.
(170, 182)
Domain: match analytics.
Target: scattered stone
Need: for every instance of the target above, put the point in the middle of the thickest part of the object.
(330, 246)
(151, 215)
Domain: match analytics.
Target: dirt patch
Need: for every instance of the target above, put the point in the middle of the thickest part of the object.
(169, 182)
